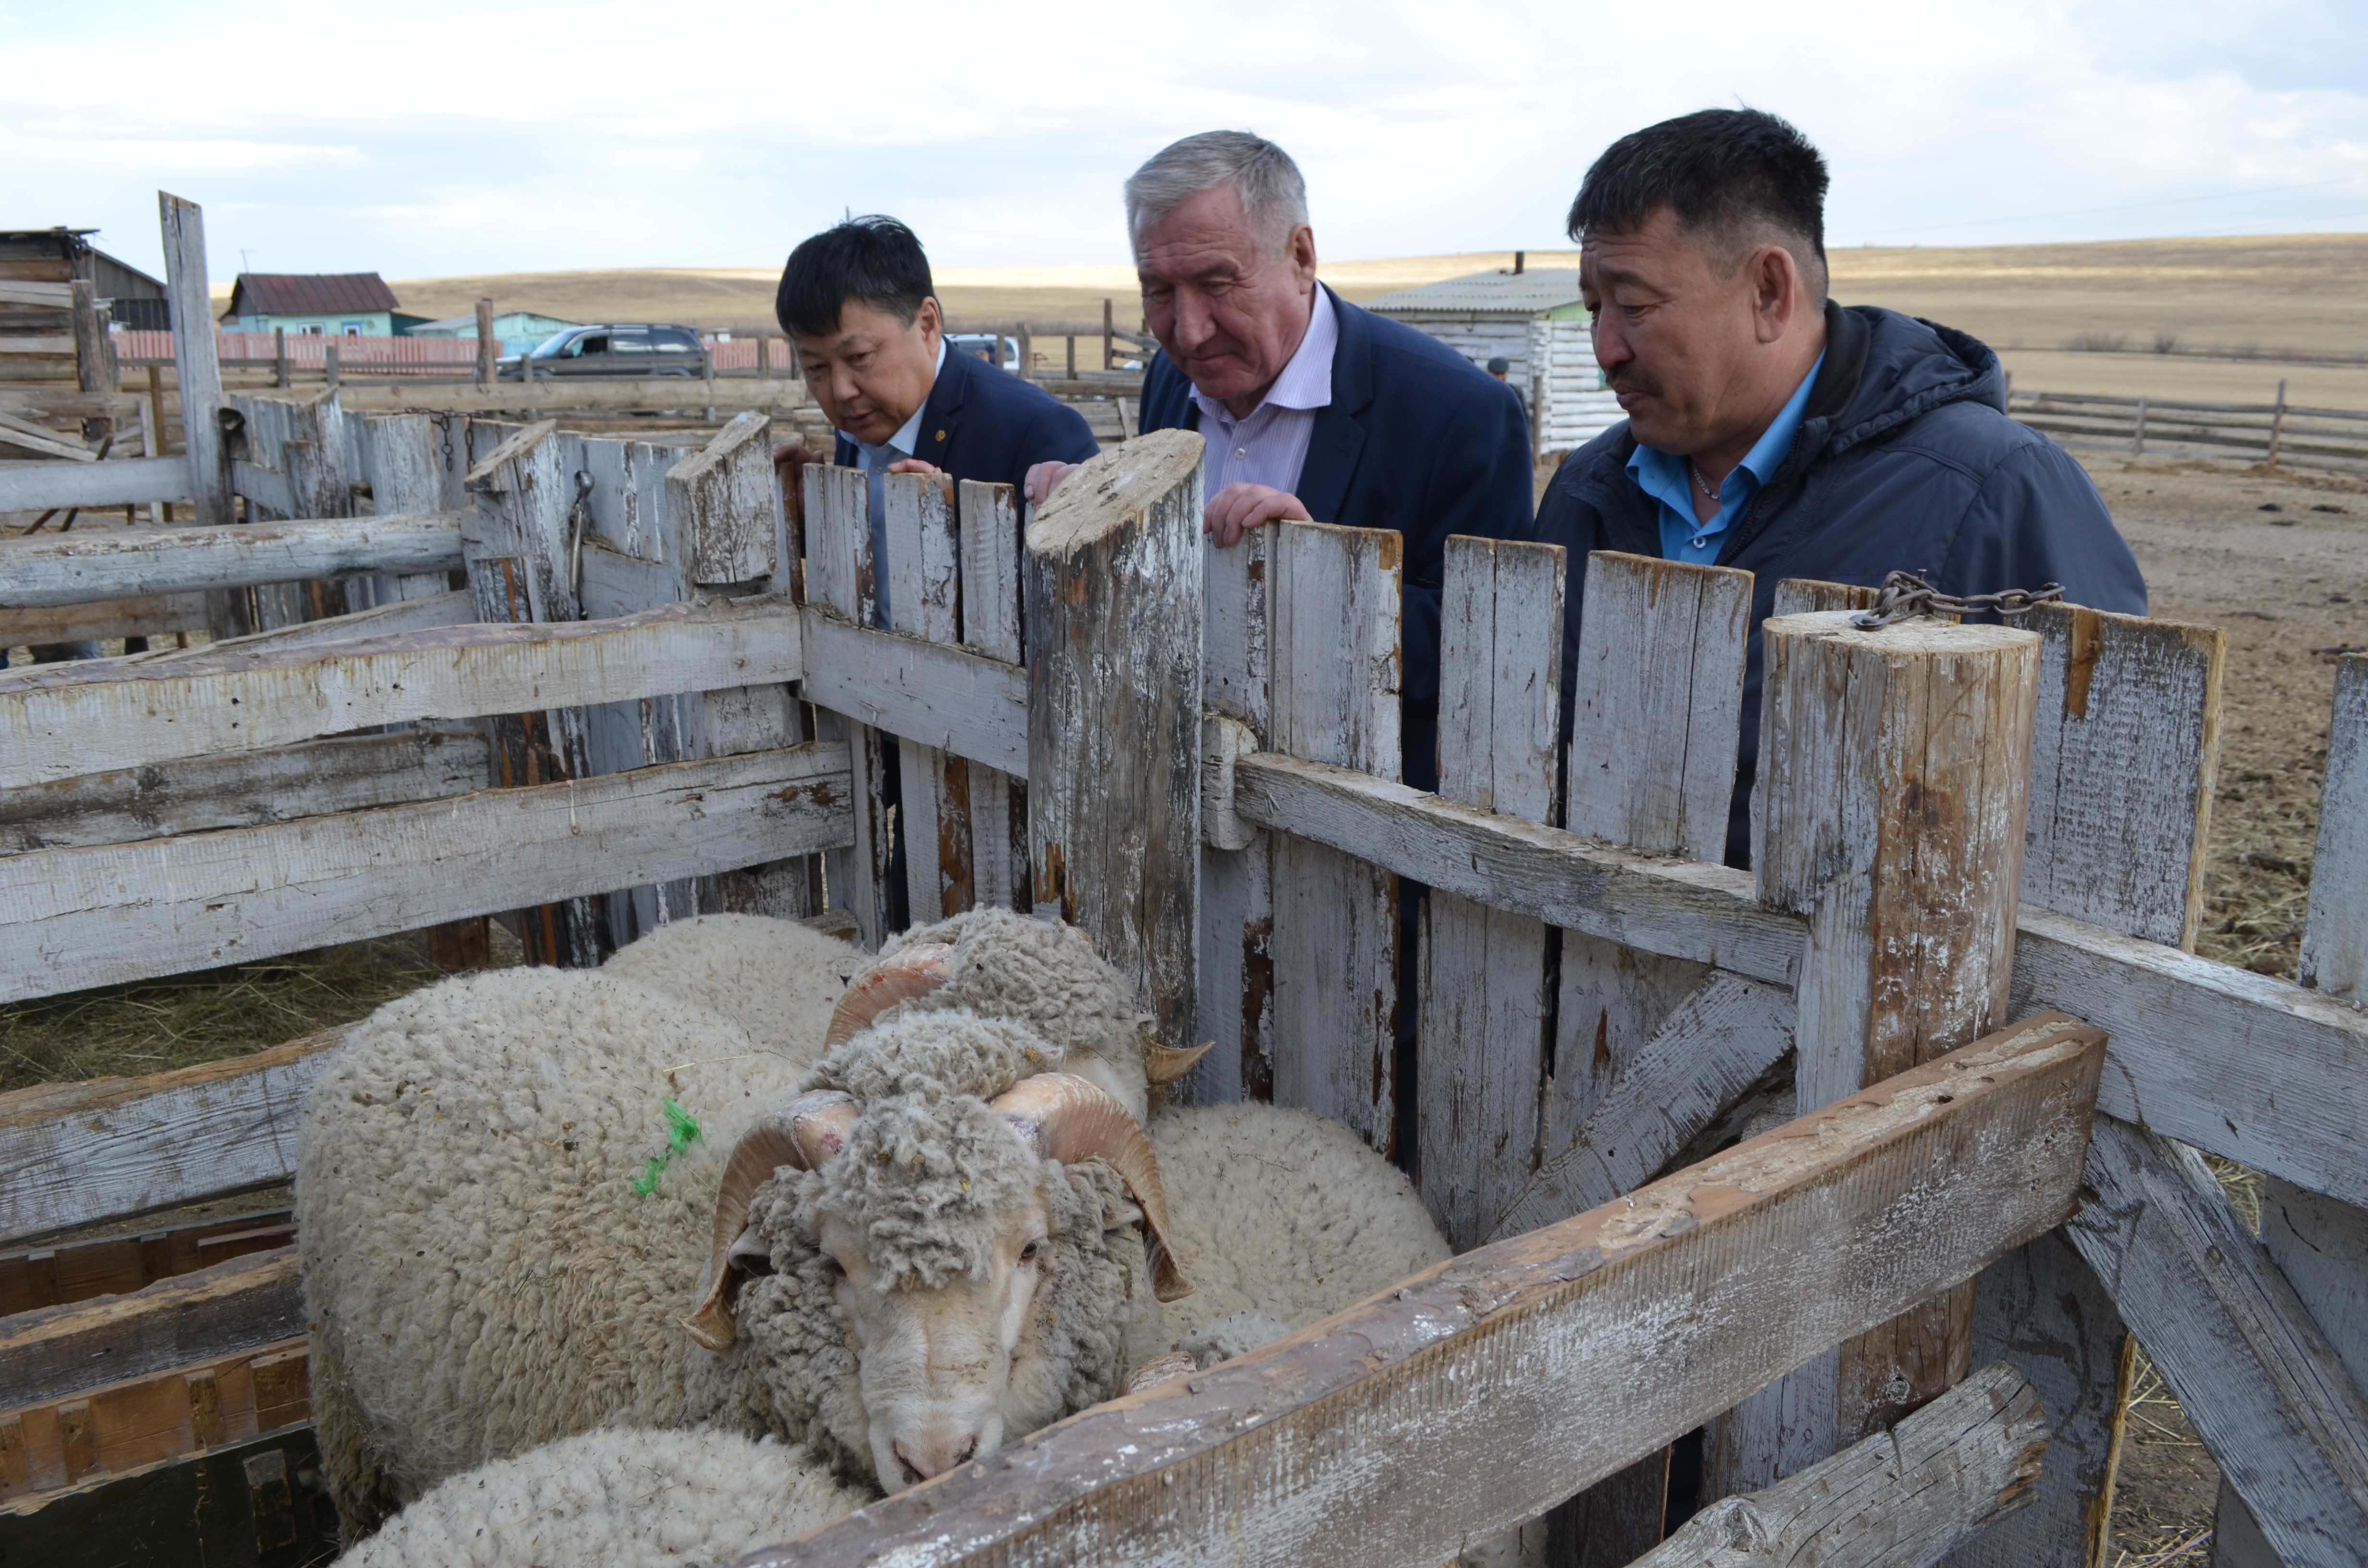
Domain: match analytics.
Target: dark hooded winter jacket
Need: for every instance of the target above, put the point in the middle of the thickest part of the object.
(1905, 460)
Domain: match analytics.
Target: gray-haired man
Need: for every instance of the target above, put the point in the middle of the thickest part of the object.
(1312, 409)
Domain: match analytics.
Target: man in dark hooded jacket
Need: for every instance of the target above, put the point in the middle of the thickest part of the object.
(1774, 430)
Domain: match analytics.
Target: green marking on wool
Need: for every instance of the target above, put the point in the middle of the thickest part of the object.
(682, 1131)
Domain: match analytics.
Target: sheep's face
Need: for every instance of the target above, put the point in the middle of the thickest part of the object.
(934, 1365)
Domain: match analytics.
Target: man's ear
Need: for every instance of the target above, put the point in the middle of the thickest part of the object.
(1301, 249)
(932, 319)
(1775, 291)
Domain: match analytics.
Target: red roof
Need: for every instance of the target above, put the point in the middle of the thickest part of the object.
(309, 294)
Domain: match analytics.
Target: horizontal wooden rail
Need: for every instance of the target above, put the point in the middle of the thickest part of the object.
(2253, 1069)
(201, 793)
(129, 1425)
(232, 1306)
(38, 487)
(115, 1266)
(78, 1153)
(939, 694)
(64, 720)
(74, 918)
(161, 615)
(60, 569)
(1481, 1393)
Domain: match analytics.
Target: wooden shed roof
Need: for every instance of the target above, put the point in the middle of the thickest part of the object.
(309, 294)
(1493, 293)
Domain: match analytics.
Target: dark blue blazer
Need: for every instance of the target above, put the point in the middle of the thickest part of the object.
(1417, 439)
(983, 423)
(1905, 460)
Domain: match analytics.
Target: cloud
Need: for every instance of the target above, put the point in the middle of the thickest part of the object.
(441, 138)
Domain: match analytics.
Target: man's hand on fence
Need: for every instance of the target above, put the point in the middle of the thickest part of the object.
(913, 465)
(1044, 479)
(793, 455)
(1241, 507)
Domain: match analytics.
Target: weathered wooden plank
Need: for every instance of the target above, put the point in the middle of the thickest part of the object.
(203, 476)
(1659, 697)
(108, 1147)
(2260, 1381)
(446, 607)
(944, 695)
(2124, 747)
(1115, 609)
(127, 1426)
(1237, 869)
(925, 603)
(990, 543)
(63, 720)
(1333, 605)
(1473, 1395)
(1894, 783)
(1483, 1015)
(113, 1265)
(75, 919)
(842, 579)
(119, 481)
(215, 1312)
(120, 563)
(2335, 942)
(98, 622)
(1807, 595)
(1899, 1499)
(728, 488)
(1682, 908)
(200, 794)
(1720, 1043)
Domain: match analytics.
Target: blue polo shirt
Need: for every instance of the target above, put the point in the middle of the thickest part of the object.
(1668, 480)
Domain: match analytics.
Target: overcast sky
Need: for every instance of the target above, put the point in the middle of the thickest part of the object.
(435, 137)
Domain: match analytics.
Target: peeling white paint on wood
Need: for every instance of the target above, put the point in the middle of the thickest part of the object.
(1236, 886)
(2335, 942)
(59, 569)
(730, 504)
(74, 918)
(63, 721)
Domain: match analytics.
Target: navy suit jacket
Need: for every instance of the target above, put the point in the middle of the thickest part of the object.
(1417, 439)
(983, 423)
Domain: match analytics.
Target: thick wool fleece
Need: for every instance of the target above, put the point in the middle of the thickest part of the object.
(479, 1273)
(777, 979)
(792, 1370)
(1281, 1213)
(627, 1498)
(1048, 977)
(940, 1051)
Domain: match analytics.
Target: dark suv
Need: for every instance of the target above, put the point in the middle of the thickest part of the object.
(620, 348)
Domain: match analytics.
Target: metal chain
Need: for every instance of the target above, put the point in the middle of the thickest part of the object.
(1904, 594)
(444, 424)
(579, 515)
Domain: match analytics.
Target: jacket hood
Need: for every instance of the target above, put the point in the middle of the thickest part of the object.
(1884, 368)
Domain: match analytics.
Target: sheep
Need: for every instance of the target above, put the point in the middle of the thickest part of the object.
(615, 1498)
(484, 1277)
(780, 980)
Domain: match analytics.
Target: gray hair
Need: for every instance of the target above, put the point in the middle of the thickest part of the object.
(1274, 197)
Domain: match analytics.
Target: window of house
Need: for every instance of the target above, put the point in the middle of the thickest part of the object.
(313, 329)
(353, 329)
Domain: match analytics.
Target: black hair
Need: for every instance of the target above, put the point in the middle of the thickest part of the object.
(873, 258)
(1731, 175)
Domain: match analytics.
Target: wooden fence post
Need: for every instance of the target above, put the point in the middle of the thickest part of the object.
(988, 519)
(1108, 335)
(1237, 870)
(2277, 423)
(923, 570)
(195, 365)
(2137, 441)
(842, 579)
(1894, 782)
(1484, 1011)
(279, 356)
(487, 348)
(1113, 607)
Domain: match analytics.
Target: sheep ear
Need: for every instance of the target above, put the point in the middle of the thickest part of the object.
(1165, 1065)
(803, 1135)
(1067, 1118)
(914, 970)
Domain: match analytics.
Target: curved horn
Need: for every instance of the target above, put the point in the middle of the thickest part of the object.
(1165, 1063)
(801, 1134)
(1066, 1118)
(912, 970)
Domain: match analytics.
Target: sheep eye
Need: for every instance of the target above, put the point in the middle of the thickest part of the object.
(1028, 1252)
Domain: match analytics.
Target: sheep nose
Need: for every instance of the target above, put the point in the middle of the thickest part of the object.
(935, 1458)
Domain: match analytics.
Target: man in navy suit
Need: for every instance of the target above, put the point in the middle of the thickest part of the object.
(860, 309)
(1312, 409)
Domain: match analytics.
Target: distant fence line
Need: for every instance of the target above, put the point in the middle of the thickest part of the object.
(382, 356)
(2277, 432)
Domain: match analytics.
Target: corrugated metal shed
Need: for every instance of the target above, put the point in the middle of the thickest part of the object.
(309, 294)
(1529, 293)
